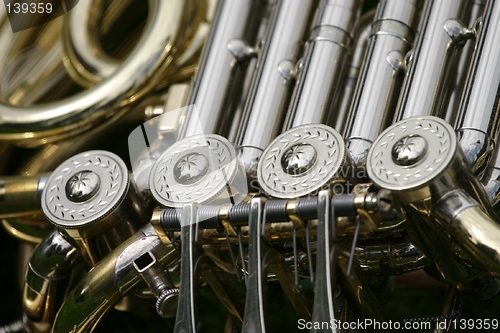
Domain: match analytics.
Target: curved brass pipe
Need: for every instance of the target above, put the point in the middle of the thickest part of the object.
(138, 74)
(45, 281)
(32, 66)
(109, 281)
(86, 61)
(465, 221)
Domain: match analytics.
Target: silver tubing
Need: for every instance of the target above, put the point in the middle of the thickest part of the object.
(490, 179)
(426, 85)
(382, 73)
(322, 67)
(463, 64)
(478, 119)
(361, 38)
(272, 82)
(217, 87)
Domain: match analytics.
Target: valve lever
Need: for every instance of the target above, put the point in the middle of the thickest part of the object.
(323, 309)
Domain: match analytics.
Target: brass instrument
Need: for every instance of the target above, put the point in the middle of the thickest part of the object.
(292, 163)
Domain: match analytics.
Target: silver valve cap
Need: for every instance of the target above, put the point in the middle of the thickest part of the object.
(411, 153)
(420, 158)
(199, 169)
(92, 198)
(302, 161)
(84, 189)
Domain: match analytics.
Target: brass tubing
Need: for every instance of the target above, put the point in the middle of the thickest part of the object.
(52, 121)
(419, 177)
(469, 226)
(20, 195)
(46, 280)
(110, 280)
(395, 258)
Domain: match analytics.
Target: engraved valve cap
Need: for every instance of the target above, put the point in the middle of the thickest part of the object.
(411, 153)
(196, 169)
(301, 160)
(85, 189)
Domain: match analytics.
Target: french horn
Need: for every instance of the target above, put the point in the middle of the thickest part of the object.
(250, 166)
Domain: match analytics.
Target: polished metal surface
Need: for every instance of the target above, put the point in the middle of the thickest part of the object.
(321, 68)
(463, 64)
(21, 195)
(478, 131)
(426, 89)
(361, 35)
(296, 162)
(409, 150)
(72, 198)
(82, 186)
(87, 197)
(197, 169)
(490, 179)
(411, 153)
(185, 321)
(421, 185)
(46, 279)
(110, 280)
(270, 92)
(323, 307)
(302, 160)
(381, 76)
(471, 228)
(217, 85)
(86, 61)
(396, 257)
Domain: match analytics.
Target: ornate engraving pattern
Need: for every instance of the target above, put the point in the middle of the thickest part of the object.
(441, 143)
(114, 181)
(222, 167)
(330, 151)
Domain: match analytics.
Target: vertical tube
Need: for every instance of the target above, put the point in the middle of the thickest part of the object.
(426, 86)
(491, 180)
(218, 84)
(322, 68)
(361, 39)
(478, 120)
(272, 82)
(382, 74)
(463, 65)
